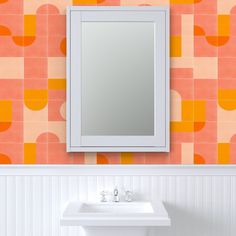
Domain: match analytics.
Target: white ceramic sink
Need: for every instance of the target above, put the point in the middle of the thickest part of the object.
(115, 214)
(116, 208)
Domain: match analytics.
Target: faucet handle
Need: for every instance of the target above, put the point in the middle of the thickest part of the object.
(103, 196)
(128, 196)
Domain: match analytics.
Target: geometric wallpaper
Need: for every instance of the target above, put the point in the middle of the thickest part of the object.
(32, 83)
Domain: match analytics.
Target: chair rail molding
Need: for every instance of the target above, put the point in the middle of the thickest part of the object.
(113, 170)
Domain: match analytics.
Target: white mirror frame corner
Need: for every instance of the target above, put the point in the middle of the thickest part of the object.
(160, 142)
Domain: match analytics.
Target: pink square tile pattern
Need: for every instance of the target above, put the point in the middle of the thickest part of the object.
(33, 94)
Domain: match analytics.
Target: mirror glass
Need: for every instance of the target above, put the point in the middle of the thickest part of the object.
(117, 78)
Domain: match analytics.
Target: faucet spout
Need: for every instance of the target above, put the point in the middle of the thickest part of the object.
(116, 195)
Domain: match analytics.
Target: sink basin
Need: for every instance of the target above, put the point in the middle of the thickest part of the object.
(116, 208)
(112, 214)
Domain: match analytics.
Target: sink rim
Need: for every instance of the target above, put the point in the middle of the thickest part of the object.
(71, 216)
(127, 207)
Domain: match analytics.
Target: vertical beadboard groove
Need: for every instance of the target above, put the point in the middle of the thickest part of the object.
(64, 198)
(198, 205)
(20, 205)
(3, 209)
(11, 205)
(233, 206)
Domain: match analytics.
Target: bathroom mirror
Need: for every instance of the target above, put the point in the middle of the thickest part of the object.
(117, 79)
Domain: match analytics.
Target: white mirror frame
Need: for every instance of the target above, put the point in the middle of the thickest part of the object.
(159, 142)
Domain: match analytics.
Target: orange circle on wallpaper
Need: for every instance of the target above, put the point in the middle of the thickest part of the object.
(4, 159)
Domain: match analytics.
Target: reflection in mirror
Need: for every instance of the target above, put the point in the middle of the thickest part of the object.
(118, 78)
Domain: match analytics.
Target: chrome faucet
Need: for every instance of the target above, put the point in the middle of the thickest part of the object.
(116, 195)
(103, 196)
(128, 196)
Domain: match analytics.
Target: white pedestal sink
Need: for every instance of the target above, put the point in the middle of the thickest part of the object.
(115, 219)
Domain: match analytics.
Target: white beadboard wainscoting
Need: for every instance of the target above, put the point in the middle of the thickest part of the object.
(201, 200)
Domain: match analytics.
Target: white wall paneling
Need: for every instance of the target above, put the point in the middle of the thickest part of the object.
(201, 200)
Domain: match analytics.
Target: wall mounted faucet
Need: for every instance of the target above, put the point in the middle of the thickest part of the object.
(107, 196)
(116, 195)
(103, 196)
(128, 196)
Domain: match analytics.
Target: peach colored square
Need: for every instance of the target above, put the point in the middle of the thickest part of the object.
(176, 73)
(180, 137)
(38, 48)
(233, 153)
(60, 5)
(54, 46)
(184, 87)
(14, 23)
(12, 7)
(157, 158)
(35, 115)
(187, 46)
(205, 68)
(208, 134)
(187, 152)
(211, 110)
(203, 49)
(14, 151)
(12, 67)
(132, 2)
(14, 89)
(182, 62)
(205, 89)
(57, 25)
(139, 158)
(228, 49)
(225, 7)
(9, 49)
(90, 158)
(35, 84)
(175, 154)
(31, 7)
(54, 110)
(181, 8)
(35, 68)
(227, 83)
(232, 24)
(17, 110)
(58, 128)
(207, 22)
(175, 25)
(78, 158)
(59, 94)
(206, 7)
(42, 153)
(175, 109)
(41, 25)
(33, 132)
(208, 151)
(225, 131)
(227, 68)
(225, 115)
(56, 67)
(57, 154)
(157, 3)
(187, 22)
(14, 134)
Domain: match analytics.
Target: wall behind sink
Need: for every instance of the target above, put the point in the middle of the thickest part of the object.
(32, 83)
(201, 201)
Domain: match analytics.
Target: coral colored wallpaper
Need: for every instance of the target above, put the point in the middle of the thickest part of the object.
(32, 83)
